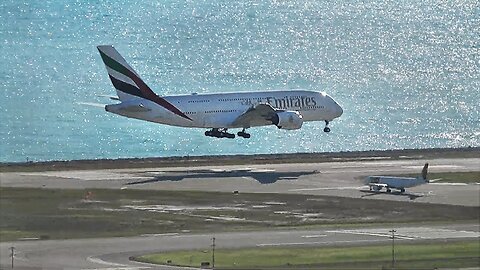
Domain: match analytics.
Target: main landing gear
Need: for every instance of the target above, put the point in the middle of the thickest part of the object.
(326, 129)
(243, 134)
(219, 133)
(222, 133)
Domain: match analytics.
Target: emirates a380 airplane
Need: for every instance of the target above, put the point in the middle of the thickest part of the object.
(217, 112)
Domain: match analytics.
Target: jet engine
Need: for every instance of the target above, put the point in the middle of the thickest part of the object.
(288, 120)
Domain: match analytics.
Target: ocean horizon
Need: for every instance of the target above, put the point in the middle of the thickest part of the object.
(406, 73)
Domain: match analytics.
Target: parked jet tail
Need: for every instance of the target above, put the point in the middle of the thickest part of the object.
(425, 171)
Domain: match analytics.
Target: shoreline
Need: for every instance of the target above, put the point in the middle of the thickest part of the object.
(128, 163)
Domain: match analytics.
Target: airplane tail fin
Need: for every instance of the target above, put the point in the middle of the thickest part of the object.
(425, 171)
(128, 83)
(124, 78)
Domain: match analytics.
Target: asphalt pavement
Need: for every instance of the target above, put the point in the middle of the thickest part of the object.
(332, 178)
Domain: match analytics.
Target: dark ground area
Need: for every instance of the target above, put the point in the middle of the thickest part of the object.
(53, 213)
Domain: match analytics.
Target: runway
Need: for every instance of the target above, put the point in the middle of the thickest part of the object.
(332, 178)
(113, 253)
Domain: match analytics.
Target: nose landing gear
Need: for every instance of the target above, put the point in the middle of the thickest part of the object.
(326, 129)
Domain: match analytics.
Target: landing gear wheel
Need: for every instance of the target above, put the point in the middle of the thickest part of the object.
(326, 129)
(402, 190)
(389, 190)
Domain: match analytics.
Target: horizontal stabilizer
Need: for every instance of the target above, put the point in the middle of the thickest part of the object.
(110, 97)
(125, 107)
(136, 108)
(92, 104)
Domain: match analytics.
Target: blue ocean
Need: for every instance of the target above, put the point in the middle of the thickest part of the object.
(406, 72)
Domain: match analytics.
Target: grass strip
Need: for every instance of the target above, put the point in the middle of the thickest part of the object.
(412, 256)
(446, 177)
(455, 177)
(66, 214)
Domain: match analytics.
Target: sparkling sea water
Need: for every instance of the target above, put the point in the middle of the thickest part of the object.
(406, 73)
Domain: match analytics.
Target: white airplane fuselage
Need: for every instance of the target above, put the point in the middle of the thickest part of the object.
(217, 111)
(221, 109)
(377, 183)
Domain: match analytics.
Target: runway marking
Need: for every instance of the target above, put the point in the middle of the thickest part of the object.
(219, 170)
(318, 243)
(262, 171)
(159, 234)
(92, 175)
(118, 268)
(449, 184)
(397, 236)
(28, 238)
(415, 233)
(360, 166)
(314, 236)
(352, 171)
(326, 188)
(355, 159)
(100, 261)
(435, 166)
(382, 163)
(275, 203)
(229, 170)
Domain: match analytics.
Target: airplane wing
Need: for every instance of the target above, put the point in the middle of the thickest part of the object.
(261, 113)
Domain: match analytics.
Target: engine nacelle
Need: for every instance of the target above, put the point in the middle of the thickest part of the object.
(288, 120)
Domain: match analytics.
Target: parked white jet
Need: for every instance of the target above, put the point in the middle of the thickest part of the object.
(376, 183)
(218, 112)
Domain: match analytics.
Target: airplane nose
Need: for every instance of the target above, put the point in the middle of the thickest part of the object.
(338, 111)
(334, 108)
